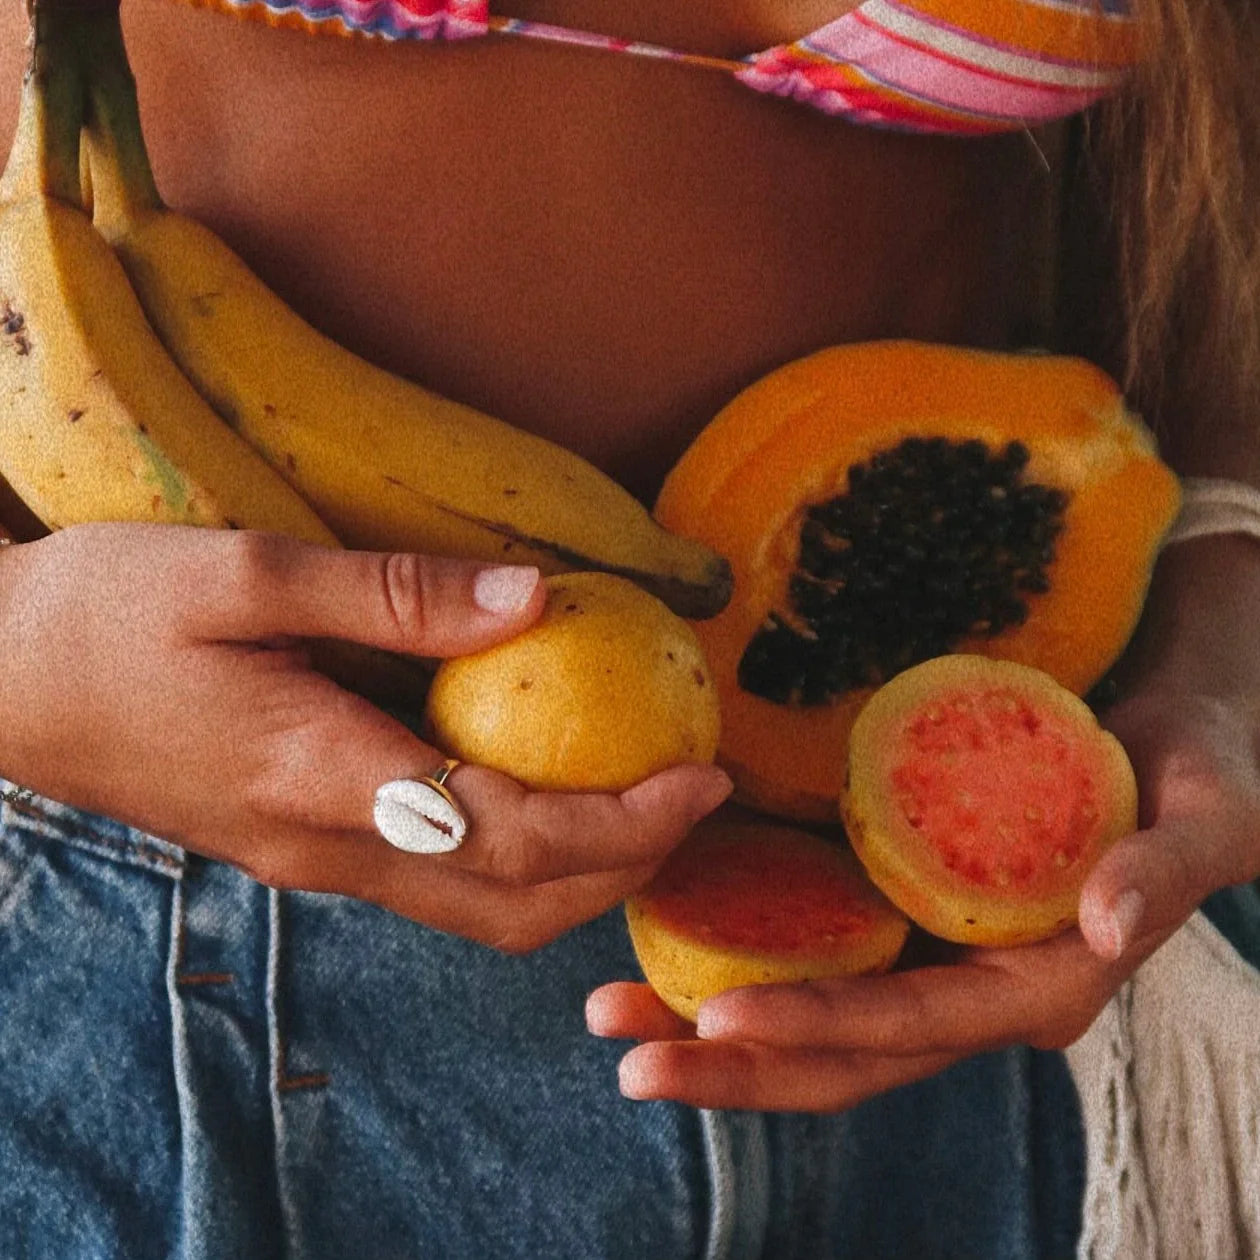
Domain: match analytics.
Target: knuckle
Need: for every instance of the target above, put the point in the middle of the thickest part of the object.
(286, 772)
(404, 593)
(44, 571)
(88, 536)
(265, 792)
(1192, 775)
(520, 860)
(916, 1016)
(252, 561)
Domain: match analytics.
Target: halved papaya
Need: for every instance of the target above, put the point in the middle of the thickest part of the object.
(885, 503)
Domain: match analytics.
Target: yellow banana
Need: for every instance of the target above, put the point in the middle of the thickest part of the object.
(386, 463)
(97, 423)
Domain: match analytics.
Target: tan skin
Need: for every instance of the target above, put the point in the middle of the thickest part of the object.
(603, 250)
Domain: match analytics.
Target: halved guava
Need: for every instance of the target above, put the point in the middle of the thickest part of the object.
(750, 902)
(980, 793)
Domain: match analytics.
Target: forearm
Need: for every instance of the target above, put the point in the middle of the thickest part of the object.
(1198, 629)
(1197, 632)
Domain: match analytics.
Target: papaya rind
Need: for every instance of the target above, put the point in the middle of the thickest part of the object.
(910, 872)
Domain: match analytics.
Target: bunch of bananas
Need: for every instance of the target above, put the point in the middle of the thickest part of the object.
(146, 374)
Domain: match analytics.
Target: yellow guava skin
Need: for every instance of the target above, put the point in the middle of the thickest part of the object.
(605, 689)
(756, 902)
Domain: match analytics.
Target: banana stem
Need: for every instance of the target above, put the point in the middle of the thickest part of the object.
(123, 187)
(44, 160)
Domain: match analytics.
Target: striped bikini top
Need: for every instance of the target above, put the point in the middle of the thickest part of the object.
(963, 67)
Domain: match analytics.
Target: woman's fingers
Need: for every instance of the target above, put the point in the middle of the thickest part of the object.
(511, 919)
(321, 753)
(1149, 883)
(524, 837)
(1200, 788)
(631, 1010)
(766, 1078)
(323, 771)
(829, 1045)
(1045, 995)
(196, 715)
(262, 585)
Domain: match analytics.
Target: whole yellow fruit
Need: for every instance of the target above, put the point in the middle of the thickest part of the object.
(605, 689)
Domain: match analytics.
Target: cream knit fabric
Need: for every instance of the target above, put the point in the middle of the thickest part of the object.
(1169, 1080)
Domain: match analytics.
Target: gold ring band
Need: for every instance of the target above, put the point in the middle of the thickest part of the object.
(441, 774)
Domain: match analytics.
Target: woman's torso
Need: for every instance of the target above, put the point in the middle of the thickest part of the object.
(602, 249)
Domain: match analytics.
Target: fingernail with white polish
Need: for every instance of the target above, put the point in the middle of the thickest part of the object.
(708, 1022)
(505, 589)
(632, 1080)
(1123, 921)
(597, 1022)
(417, 819)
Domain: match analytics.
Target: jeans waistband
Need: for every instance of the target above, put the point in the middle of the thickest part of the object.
(24, 810)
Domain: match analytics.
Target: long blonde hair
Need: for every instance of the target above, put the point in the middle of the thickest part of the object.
(1182, 154)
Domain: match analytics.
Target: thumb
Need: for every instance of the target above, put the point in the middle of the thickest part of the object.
(1147, 884)
(271, 586)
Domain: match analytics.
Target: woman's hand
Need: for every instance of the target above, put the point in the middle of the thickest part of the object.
(161, 675)
(1191, 724)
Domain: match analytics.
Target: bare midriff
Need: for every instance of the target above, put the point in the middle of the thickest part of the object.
(602, 249)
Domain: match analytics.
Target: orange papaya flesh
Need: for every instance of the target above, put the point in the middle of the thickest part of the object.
(756, 903)
(1050, 504)
(980, 794)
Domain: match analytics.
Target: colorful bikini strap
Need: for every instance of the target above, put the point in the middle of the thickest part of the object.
(959, 66)
(965, 67)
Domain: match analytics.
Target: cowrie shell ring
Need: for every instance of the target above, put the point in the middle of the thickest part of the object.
(421, 815)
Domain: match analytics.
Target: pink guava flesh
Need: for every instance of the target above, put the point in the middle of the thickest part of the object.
(1004, 791)
(763, 899)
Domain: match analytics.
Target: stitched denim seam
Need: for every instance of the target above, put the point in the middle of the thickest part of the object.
(281, 1080)
(190, 979)
(37, 823)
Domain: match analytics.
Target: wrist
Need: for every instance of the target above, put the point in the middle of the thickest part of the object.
(1197, 631)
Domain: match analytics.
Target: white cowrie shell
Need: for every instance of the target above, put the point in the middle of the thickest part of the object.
(417, 818)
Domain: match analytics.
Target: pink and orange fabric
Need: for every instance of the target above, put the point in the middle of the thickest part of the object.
(963, 67)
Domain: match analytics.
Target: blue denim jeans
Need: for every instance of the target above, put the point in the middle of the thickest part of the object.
(195, 1066)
